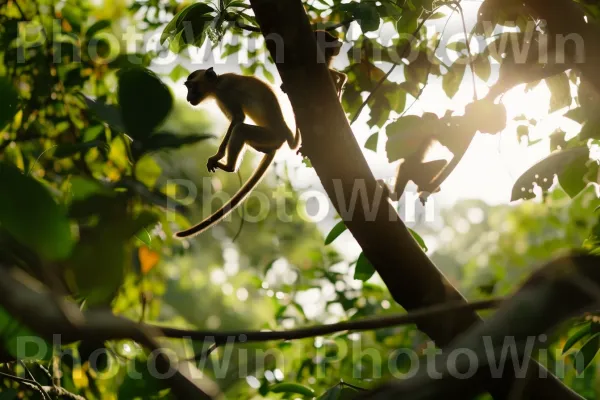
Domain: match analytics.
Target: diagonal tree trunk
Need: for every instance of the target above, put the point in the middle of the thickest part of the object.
(329, 143)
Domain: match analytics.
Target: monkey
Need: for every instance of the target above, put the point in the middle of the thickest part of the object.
(330, 45)
(238, 97)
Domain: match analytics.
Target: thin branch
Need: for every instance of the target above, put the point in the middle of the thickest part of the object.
(28, 382)
(467, 43)
(393, 67)
(312, 331)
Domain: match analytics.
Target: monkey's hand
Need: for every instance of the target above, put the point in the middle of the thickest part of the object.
(213, 163)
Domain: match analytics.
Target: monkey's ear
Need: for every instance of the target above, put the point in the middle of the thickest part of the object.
(210, 74)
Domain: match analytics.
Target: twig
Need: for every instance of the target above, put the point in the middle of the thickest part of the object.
(467, 43)
(28, 382)
(393, 67)
(302, 333)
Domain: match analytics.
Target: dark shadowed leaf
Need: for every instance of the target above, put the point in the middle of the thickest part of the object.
(371, 143)
(145, 101)
(367, 17)
(188, 27)
(588, 352)
(571, 178)
(543, 172)
(331, 394)
(68, 150)
(364, 269)
(336, 231)
(107, 113)
(30, 214)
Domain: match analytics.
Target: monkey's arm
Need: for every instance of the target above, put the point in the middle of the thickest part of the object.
(237, 117)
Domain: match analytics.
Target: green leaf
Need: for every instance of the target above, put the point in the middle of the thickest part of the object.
(576, 337)
(453, 78)
(364, 269)
(419, 239)
(335, 232)
(407, 134)
(20, 342)
(30, 214)
(371, 143)
(188, 27)
(586, 355)
(10, 100)
(178, 73)
(107, 113)
(332, 393)
(560, 88)
(482, 67)
(147, 171)
(367, 17)
(290, 387)
(543, 172)
(571, 178)
(459, 47)
(97, 27)
(145, 101)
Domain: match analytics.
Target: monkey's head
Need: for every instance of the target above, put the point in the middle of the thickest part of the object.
(200, 84)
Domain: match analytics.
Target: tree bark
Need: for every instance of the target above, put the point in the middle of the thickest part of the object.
(327, 140)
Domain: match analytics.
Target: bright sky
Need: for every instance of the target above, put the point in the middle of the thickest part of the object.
(492, 163)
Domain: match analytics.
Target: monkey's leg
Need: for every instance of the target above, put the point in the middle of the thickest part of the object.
(260, 138)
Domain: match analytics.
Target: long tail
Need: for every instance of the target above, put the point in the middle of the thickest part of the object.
(236, 200)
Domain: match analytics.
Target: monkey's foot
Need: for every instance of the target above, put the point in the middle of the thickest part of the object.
(212, 164)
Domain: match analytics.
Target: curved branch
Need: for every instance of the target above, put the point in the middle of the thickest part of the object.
(312, 331)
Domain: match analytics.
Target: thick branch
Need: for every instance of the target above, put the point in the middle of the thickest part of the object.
(413, 280)
(561, 289)
(38, 310)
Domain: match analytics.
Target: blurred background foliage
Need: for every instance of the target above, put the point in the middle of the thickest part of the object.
(97, 155)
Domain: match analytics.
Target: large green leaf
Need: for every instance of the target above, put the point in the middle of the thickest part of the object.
(543, 172)
(8, 103)
(107, 113)
(30, 214)
(453, 78)
(407, 134)
(145, 101)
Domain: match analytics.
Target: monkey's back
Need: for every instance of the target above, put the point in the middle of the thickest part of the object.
(255, 97)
